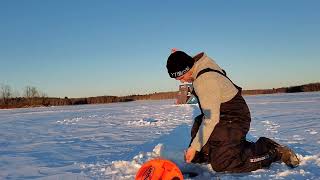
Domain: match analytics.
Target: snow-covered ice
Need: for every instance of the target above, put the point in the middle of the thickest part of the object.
(112, 141)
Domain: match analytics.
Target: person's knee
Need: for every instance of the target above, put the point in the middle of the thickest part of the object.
(219, 167)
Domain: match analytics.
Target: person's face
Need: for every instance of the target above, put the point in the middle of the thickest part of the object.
(187, 77)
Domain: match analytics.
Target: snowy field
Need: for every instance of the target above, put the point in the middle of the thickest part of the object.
(111, 141)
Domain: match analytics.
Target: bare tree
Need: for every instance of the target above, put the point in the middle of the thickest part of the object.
(31, 92)
(6, 93)
(44, 98)
(42, 94)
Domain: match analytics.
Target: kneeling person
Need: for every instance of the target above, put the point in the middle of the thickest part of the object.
(218, 135)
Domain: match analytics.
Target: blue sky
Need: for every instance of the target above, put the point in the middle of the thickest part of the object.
(79, 48)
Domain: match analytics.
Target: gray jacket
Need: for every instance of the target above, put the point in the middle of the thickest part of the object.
(212, 90)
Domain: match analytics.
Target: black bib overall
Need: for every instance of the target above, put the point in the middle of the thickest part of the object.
(227, 148)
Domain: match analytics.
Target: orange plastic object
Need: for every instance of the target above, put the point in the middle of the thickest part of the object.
(159, 169)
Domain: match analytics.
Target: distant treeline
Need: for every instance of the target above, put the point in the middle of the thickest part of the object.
(292, 89)
(33, 98)
(22, 102)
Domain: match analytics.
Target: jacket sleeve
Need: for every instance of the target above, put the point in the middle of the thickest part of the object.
(208, 92)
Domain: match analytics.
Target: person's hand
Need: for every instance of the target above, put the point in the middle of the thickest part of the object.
(189, 154)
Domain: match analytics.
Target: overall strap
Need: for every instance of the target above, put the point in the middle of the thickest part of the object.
(223, 73)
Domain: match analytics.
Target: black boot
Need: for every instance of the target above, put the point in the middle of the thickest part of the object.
(284, 153)
(288, 156)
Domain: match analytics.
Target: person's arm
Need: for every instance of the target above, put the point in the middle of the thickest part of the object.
(208, 91)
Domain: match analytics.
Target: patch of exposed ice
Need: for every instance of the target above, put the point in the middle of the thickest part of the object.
(312, 131)
(70, 121)
(146, 122)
